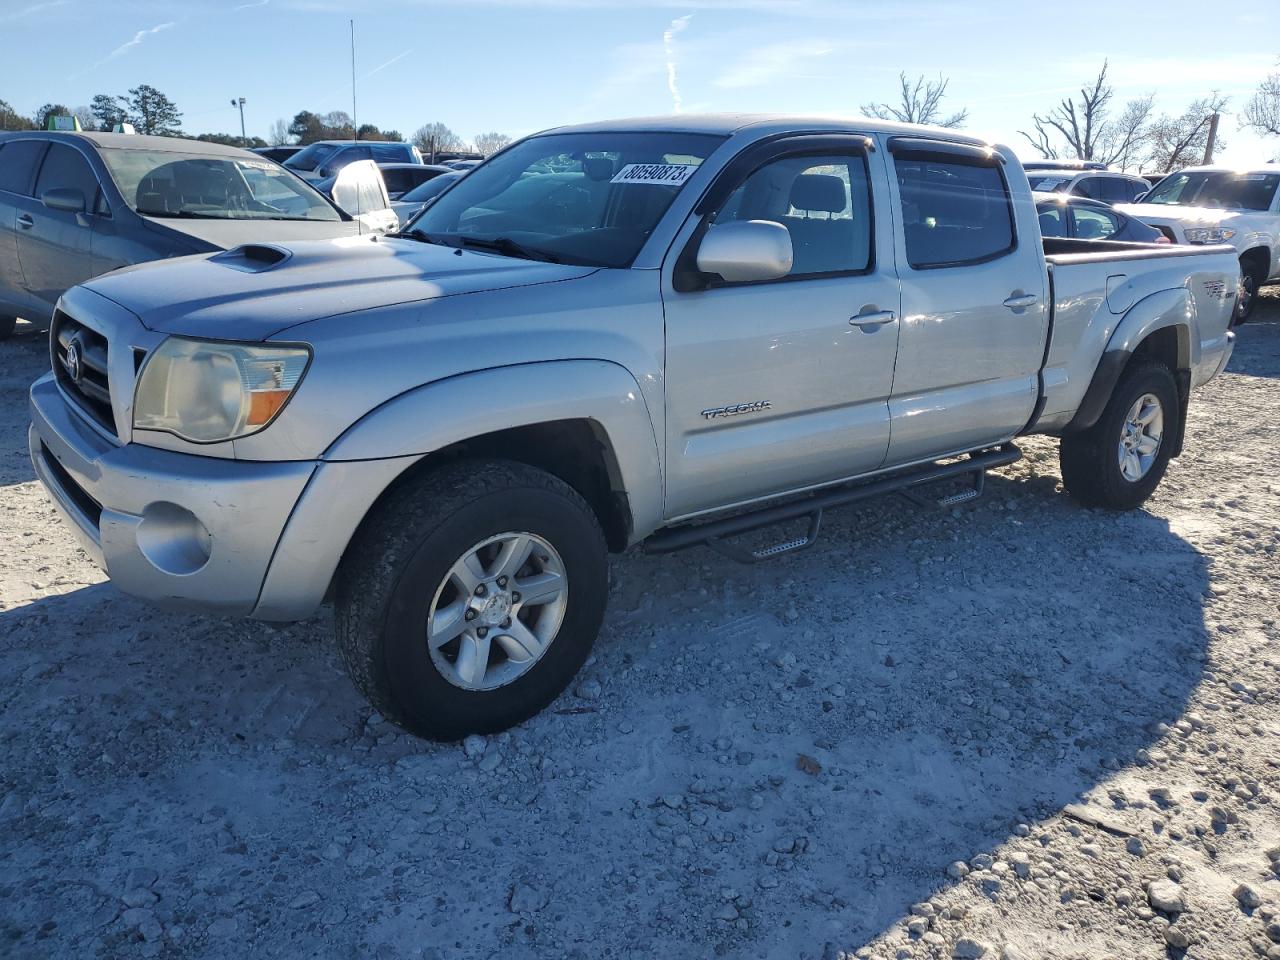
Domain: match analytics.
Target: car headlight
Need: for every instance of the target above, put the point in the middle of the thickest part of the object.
(207, 392)
(1209, 234)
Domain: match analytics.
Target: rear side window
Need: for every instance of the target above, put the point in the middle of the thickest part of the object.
(955, 210)
(1117, 190)
(18, 163)
(1053, 220)
(390, 153)
(66, 168)
(398, 181)
(1094, 224)
(1090, 187)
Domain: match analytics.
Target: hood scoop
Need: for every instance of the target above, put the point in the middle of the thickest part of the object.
(253, 257)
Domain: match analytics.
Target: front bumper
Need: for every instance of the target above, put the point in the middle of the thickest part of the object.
(188, 532)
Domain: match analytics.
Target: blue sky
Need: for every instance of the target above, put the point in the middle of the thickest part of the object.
(521, 65)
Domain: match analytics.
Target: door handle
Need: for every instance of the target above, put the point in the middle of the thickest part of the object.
(1022, 302)
(25, 221)
(877, 318)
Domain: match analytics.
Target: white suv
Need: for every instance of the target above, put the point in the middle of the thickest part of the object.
(1222, 205)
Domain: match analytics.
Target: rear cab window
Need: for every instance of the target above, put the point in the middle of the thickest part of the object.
(956, 209)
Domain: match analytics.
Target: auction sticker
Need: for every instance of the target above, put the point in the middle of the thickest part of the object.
(669, 174)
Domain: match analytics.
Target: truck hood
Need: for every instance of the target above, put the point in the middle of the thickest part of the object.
(1171, 213)
(253, 292)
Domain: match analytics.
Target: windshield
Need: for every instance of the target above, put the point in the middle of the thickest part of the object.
(1229, 190)
(584, 198)
(431, 188)
(310, 158)
(158, 183)
(1049, 182)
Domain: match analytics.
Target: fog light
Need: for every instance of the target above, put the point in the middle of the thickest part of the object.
(173, 539)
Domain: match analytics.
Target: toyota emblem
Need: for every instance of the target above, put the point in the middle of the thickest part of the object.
(75, 364)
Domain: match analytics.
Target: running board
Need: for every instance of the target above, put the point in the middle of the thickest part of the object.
(713, 532)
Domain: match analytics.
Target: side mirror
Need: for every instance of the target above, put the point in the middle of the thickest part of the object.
(67, 199)
(742, 251)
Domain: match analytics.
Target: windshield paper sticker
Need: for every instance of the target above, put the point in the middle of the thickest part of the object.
(669, 174)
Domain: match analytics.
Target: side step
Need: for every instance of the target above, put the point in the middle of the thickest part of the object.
(713, 532)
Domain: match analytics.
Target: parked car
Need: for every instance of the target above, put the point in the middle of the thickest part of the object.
(325, 158)
(1218, 204)
(1030, 165)
(1084, 219)
(413, 201)
(74, 205)
(1103, 185)
(698, 330)
(463, 164)
(399, 178)
(278, 154)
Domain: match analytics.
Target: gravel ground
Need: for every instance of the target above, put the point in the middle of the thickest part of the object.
(1017, 729)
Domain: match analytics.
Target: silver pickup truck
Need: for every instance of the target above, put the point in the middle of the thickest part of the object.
(670, 331)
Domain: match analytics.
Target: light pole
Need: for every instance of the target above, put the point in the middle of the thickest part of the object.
(239, 102)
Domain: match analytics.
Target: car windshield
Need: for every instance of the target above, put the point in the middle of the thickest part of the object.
(310, 158)
(584, 198)
(159, 183)
(1229, 190)
(1049, 181)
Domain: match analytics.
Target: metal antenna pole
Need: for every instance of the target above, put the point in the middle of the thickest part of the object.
(355, 126)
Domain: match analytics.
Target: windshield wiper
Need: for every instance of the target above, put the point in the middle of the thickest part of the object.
(188, 214)
(423, 237)
(509, 247)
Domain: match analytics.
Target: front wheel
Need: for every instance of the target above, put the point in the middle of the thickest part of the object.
(470, 599)
(1119, 461)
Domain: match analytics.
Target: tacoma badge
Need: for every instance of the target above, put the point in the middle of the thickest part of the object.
(755, 406)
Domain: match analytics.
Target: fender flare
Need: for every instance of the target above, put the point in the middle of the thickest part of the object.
(434, 416)
(1157, 311)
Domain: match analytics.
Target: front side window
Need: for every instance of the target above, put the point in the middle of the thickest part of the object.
(1220, 189)
(585, 198)
(1094, 224)
(954, 210)
(1090, 187)
(66, 168)
(158, 183)
(1053, 220)
(824, 201)
(310, 158)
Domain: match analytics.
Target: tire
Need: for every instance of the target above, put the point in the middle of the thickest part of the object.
(1092, 461)
(405, 569)
(7, 325)
(1252, 275)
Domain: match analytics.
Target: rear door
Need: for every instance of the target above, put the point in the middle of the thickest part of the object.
(773, 386)
(19, 160)
(56, 249)
(973, 301)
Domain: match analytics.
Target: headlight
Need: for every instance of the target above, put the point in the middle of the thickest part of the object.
(1209, 234)
(206, 392)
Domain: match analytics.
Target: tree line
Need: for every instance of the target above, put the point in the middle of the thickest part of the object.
(152, 112)
(1090, 127)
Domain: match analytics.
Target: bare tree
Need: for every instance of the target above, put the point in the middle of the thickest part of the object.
(490, 143)
(1082, 129)
(279, 134)
(1262, 112)
(85, 115)
(921, 102)
(431, 138)
(1180, 141)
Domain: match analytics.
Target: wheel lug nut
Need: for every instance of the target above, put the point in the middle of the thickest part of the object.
(515, 597)
(469, 615)
(502, 581)
(480, 590)
(506, 622)
(482, 632)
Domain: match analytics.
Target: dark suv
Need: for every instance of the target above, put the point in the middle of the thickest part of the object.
(324, 158)
(75, 205)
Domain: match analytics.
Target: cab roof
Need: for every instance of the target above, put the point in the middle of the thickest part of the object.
(132, 141)
(763, 125)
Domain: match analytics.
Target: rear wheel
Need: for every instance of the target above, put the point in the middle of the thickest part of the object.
(470, 600)
(1252, 275)
(1119, 461)
(7, 325)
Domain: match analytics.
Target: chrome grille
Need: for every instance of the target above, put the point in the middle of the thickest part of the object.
(80, 365)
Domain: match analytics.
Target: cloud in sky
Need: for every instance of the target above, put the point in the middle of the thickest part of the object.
(669, 48)
(137, 39)
(773, 62)
(33, 9)
(382, 66)
(250, 6)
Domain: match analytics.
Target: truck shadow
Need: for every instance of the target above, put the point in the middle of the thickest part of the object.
(946, 676)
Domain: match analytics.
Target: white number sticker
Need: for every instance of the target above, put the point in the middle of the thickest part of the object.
(669, 174)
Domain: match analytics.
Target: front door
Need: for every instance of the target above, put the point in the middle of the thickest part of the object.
(784, 384)
(56, 246)
(973, 302)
